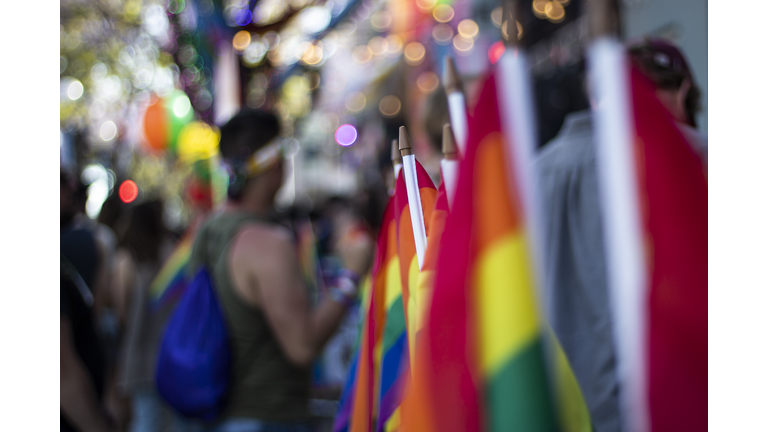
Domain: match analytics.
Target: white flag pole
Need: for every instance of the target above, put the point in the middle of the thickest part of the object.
(617, 180)
(518, 124)
(414, 197)
(457, 106)
(449, 165)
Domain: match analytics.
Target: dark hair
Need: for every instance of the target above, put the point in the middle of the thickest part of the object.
(667, 74)
(437, 116)
(241, 136)
(247, 132)
(144, 231)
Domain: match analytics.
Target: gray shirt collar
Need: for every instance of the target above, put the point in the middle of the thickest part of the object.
(578, 122)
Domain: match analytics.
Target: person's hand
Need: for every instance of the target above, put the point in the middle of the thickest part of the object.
(356, 251)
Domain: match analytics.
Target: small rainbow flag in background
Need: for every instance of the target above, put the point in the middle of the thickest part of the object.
(171, 282)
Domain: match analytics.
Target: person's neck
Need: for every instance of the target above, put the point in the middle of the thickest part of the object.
(256, 207)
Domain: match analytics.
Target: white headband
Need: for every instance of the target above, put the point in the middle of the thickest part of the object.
(263, 159)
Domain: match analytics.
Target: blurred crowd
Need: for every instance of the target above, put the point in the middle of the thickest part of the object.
(290, 280)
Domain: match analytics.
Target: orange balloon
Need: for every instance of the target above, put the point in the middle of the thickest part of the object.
(156, 125)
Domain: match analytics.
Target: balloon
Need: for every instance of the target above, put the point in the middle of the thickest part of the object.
(197, 141)
(156, 126)
(165, 118)
(179, 111)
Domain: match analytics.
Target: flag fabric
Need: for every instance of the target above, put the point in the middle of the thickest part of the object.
(406, 245)
(306, 246)
(171, 282)
(341, 422)
(403, 269)
(673, 201)
(358, 407)
(416, 411)
(483, 334)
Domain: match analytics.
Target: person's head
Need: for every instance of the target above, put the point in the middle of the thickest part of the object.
(144, 231)
(250, 145)
(666, 67)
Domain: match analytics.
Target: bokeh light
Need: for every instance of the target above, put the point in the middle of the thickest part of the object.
(381, 21)
(355, 101)
(377, 45)
(394, 45)
(443, 13)
(428, 82)
(313, 55)
(108, 130)
(554, 12)
(538, 8)
(389, 106)
(496, 17)
(243, 17)
(426, 5)
(314, 19)
(362, 54)
(463, 45)
(414, 53)
(442, 33)
(75, 90)
(128, 191)
(241, 40)
(346, 135)
(255, 53)
(468, 28)
(496, 51)
(181, 106)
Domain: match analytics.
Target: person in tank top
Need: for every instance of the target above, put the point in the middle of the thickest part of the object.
(274, 332)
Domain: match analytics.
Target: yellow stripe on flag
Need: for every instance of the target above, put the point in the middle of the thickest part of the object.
(413, 311)
(393, 423)
(572, 409)
(394, 290)
(508, 315)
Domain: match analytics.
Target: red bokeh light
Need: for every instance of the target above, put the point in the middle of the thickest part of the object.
(128, 191)
(496, 51)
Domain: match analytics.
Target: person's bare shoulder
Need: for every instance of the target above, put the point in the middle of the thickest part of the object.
(267, 244)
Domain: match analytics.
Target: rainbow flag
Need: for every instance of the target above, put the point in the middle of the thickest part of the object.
(306, 249)
(483, 335)
(359, 403)
(402, 316)
(341, 422)
(406, 246)
(171, 282)
(415, 406)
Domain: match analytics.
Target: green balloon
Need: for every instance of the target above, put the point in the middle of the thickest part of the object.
(179, 112)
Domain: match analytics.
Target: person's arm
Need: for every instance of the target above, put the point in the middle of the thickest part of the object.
(274, 275)
(77, 394)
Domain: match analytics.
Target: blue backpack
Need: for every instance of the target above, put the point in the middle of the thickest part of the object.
(193, 367)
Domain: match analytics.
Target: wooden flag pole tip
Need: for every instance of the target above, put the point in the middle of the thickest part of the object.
(450, 151)
(405, 143)
(451, 81)
(396, 157)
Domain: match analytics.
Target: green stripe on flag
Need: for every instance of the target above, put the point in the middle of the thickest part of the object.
(395, 325)
(519, 396)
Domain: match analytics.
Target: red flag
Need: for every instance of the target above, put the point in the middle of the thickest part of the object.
(673, 197)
